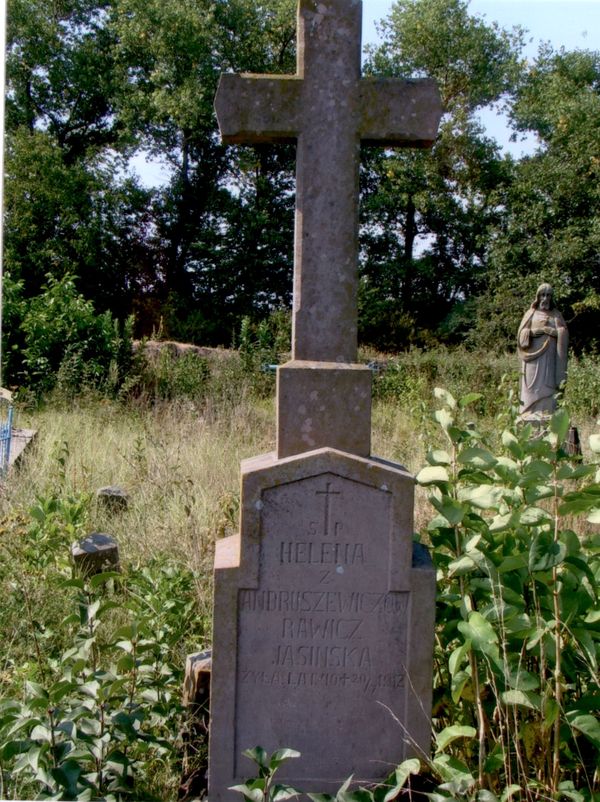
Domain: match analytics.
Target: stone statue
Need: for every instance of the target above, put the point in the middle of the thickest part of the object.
(543, 340)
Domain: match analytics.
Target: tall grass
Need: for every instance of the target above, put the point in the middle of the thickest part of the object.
(177, 454)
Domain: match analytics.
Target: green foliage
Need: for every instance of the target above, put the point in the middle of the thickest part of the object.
(516, 647)
(409, 379)
(582, 392)
(94, 715)
(263, 789)
(263, 345)
(67, 343)
(167, 376)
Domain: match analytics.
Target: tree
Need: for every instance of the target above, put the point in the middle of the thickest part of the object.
(220, 200)
(550, 229)
(427, 214)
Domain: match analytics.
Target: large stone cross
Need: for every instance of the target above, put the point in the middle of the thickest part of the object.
(329, 109)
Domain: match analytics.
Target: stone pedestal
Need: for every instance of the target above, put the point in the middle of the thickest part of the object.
(112, 498)
(323, 404)
(95, 553)
(323, 630)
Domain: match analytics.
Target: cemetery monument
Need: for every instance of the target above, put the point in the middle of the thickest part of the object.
(543, 340)
(323, 628)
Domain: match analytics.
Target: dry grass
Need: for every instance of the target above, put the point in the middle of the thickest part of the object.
(179, 465)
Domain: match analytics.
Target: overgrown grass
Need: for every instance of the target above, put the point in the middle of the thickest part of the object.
(174, 441)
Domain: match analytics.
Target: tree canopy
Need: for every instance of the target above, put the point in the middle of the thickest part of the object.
(451, 239)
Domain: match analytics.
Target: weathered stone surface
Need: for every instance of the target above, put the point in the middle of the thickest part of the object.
(327, 108)
(196, 682)
(323, 629)
(96, 553)
(113, 498)
(323, 404)
(323, 624)
(543, 341)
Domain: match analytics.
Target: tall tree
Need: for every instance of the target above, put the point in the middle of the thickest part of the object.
(427, 214)
(550, 229)
(171, 55)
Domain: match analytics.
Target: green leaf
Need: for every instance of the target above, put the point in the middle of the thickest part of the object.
(508, 792)
(510, 442)
(35, 690)
(545, 553)
(469, 399)
(280, 792)
(432, 474)
(568, 471)
(251, 794)
(595, 443)
(477, 457)
(587, 724)
(594, 516)
(480, 632)
(452, 510)
(258, 755)
(100, 579)
(559, 424)
(438, 457)
(444, 418)
(451, 769)
(458, 684)
(522, 680)
(281, 755)
(514, 562)
(523, 699)
(483, 497)
(533, 516)
(40, 733)
(464, 565)
(402, 773)
(458, 657)
(443, 395)
(449, 734)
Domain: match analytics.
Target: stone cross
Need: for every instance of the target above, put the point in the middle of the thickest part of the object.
(328, 109)
(323, 619)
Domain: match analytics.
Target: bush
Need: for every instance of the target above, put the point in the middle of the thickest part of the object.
(409, 378)
(66, 344)
(582, 392)
(167, 376)
(93, 713)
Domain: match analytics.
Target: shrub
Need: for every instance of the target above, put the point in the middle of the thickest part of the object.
(94, 712)
(517, 641)
(67, 344)
(167, 376)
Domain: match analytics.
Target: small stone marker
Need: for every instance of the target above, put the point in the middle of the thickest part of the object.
(113, 498)
(196, 682)
(323, 627)
(95, 553)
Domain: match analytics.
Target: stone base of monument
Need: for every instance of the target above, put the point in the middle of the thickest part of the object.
(323, 628)
(194, 732)
(113, 499)
(95, 554)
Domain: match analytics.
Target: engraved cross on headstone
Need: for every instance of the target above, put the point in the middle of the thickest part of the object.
(328, 108)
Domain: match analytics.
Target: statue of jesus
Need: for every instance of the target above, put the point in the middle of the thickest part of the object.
(543, 341)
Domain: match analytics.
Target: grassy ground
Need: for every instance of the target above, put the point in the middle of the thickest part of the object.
(179, 462)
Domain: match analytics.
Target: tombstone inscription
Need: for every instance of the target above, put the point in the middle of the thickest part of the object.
(323, 629)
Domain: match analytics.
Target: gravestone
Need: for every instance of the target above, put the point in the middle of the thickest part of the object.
(95, 553)
(323, 629)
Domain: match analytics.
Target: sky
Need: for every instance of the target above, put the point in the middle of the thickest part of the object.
(570, 24)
